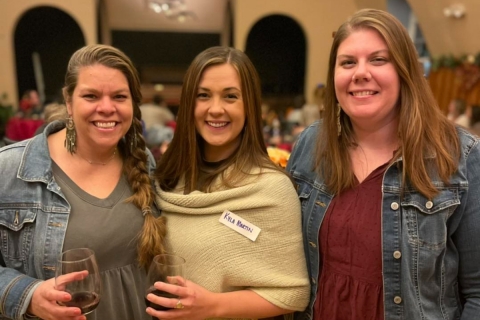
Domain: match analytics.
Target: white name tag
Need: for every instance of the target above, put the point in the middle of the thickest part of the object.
(240, 225)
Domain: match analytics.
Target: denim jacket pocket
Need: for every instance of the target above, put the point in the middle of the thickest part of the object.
(426, 220)
(16, 234)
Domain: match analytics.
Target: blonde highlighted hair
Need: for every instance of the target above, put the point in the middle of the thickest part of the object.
(150, 242)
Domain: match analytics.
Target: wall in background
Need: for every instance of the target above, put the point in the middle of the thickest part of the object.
(83, 12)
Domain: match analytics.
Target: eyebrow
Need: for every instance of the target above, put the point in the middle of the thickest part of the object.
(371, 54)
(225, 89)
(89, 89)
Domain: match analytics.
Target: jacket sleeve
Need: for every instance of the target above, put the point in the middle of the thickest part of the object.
(466, 237)
(16, 290)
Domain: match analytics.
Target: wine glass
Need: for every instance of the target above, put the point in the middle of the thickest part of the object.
(84, 285)
(164, 267)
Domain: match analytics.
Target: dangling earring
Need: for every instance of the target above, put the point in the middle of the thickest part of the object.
(133, 142)
(339, 125)
(71, 136)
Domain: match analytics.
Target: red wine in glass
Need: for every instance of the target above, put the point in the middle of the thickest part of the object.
(164, 268)
(160, 294)
(77, 273)
(86, 301)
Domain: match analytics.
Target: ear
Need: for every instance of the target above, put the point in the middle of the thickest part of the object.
(69, 107)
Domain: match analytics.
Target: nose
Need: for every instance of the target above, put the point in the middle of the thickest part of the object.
(106, 105)
(216, 107)
(361, 73)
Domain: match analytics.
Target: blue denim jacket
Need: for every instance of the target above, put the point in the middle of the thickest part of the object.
(430, 247)
(33, 220)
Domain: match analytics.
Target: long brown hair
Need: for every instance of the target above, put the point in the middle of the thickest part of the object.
(132, 147)
(428, 141)
(184, 155)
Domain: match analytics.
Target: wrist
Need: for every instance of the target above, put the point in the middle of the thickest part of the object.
(216, 306)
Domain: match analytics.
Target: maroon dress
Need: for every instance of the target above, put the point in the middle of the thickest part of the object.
(350, 285)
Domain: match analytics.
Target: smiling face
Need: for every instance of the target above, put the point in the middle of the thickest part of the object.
(219, 111)
(367, 85)
(101, 107)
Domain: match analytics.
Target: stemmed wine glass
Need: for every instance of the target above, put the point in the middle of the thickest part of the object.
(164, 268)
(85, 287)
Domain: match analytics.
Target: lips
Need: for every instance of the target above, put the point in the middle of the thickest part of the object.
(363, 93)
(217, 124)
(105, 125)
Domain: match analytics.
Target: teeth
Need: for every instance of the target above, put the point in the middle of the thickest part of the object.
(363, 93)
(105, 124)
(217, 124)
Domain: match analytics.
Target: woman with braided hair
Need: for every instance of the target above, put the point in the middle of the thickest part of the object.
(83, 182)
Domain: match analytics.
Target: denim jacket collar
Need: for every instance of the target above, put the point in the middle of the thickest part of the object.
(36, 163)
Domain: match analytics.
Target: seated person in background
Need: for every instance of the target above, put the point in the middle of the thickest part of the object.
(459, 113)
(83, 183)
(216, 180)
(313, 111)
(52, 112)
(156, 112)
(30, 103)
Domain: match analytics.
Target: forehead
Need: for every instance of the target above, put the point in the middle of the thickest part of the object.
(99, 72)
(360, 40)
(220, 73)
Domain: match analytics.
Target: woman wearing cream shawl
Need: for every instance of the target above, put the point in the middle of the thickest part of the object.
(231, 213)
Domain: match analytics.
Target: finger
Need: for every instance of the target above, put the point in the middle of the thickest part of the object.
(59, 311)
(158, 300)
(170, 288)
(170, 314)
(70, 277)
(55, 295)
(179, 281)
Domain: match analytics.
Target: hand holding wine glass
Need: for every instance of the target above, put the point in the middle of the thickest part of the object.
(77, 274)
(165, 268)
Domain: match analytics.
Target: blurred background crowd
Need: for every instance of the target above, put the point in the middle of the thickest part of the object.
(288, 41)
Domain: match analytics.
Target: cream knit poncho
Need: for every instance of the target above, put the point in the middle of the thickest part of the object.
(221, 259)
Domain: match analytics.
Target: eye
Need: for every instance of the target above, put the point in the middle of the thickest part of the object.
(379, 60)
(202, 95)
(347, 63)
(120, 97)
(231, 96)
(89, 96)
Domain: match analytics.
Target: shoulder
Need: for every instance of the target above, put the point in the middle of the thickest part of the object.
(306, 142)
(276, 184)
(11, 155)
(270, 176)
(151, 163)
(302, 158)
(469, 144)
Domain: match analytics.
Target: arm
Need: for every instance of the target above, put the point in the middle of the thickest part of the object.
(201, 303)
(16, 290)
(21, 294)
(467, 240)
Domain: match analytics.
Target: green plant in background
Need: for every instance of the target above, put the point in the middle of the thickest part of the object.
(452, 62)
(6, 112)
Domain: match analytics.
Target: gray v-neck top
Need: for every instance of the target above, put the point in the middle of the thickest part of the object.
(110, 228)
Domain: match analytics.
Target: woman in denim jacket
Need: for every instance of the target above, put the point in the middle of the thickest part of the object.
(83, 185)
(389, 188)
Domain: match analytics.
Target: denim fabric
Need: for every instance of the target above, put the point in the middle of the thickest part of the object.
(33, 220)
(430, 247)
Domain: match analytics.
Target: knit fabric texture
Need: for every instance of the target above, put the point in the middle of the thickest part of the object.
(221, 259)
